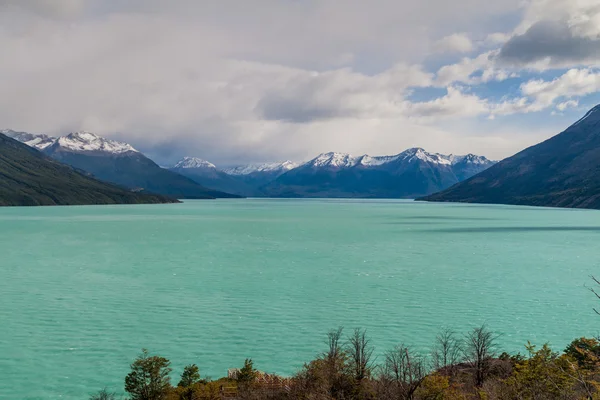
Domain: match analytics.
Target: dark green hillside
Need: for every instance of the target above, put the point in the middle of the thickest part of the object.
(563, 171)
(28, 178)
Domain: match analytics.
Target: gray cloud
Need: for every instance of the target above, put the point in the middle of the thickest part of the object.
(551, 41)
(235, 81)
(52, 8)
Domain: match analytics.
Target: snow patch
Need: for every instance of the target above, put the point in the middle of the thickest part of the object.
(265, 167)
(86, 141)
(194, 162)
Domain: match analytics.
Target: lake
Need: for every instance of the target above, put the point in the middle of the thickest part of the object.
(83, 289)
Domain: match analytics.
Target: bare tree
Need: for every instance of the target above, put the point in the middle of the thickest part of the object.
(405, 371)
(360, 352)
(595, 291)
(479, 351)
(334, 338)
(447, 350)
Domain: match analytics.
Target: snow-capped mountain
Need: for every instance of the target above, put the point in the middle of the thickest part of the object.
(274, 167)
(408, 174)
(207, 174)
(116, 162)
(84, 141)
(193, 162)
(39, 142)
(413, 172)
(344, 160)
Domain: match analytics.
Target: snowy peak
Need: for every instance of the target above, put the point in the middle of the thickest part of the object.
(281, 167)
(344, 160)
(194, 162)
(418, 154)
(89, 142)
(39, 142)
(335, 160)
(469, 159)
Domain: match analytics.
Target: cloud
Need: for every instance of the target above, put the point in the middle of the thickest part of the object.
(555, 34)
(472, 71)
(307, 96)
(567, 104)
(574, 83)
(51, 8)
(235, 81)
(455, 43)
(550, 44)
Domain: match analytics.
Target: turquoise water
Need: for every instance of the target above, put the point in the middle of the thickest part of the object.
(83, 289)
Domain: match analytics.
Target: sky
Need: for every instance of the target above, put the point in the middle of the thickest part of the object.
(239, 81)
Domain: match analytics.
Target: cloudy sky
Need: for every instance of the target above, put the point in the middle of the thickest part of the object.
(236, 81)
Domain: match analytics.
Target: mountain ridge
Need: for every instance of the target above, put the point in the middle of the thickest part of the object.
(30, 178)
(563, 171)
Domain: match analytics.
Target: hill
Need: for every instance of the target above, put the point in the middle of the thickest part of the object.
(29, 178)
(563, 171)
(116, 162)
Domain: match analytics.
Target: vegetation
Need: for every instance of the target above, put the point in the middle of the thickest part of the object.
(28, 178)
(562, 171)
(457, 368)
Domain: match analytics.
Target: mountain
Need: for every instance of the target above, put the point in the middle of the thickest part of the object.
(258, 175)
(409, 174)
(29, 178)
(207, 174)
(117, 162)
(563, 171)
(40, 142)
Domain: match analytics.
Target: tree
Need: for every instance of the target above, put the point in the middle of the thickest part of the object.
(585, 351)
(149, 378)
(190, 376)
(447, 350)
(543, 375)
(334, 337)
(479, 350)
(404, 370)
(247, 373)
(360, 353)
(103, 395)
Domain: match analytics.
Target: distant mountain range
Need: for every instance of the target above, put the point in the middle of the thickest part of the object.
(409, 174)
(116, 162)
(30, 178)
(563, 171)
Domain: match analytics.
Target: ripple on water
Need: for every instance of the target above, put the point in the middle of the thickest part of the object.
(83, 289)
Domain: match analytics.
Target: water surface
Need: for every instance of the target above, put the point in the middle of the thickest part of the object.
(83, 289)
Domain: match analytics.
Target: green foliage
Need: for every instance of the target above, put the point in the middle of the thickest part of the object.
(585, 351)
(544, 375)
(190, 376)
(149, 378)
(247, 373)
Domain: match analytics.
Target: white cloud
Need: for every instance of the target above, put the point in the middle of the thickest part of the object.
(236, 81)
(455, 43)
(567, 104)
(497, 38)
(574, 83)
(471, 71)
